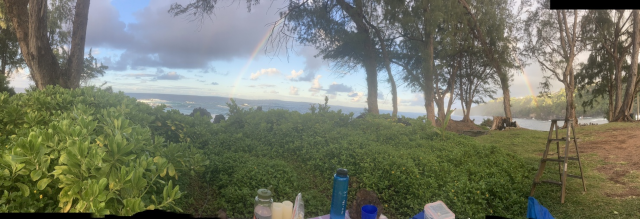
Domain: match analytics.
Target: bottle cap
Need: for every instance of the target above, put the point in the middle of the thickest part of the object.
(264, 194)
(341, 172)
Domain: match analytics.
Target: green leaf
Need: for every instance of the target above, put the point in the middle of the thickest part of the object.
(35, 175)
(43, 183)
(24, 189)
(172, 170)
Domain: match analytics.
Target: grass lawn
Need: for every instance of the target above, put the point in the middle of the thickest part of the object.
(611, 169)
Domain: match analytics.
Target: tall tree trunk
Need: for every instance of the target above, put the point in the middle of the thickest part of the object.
(506, 100)
(356, 15)
(439, 100)
(387, 65)
(452, 85)
(467, 116)
(570, 110)
(427, 71)
(4, 64)
(75, 62)
(31, 30)
(29, 18)
(610, 93)
(625, 108)
(618, 89)
(488, 51)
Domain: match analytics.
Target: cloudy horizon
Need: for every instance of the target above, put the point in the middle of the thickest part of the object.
(149, 51)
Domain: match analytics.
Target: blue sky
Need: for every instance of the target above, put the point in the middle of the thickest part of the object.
(149, 51)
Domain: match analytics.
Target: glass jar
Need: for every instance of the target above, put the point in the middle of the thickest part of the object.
(262, 207)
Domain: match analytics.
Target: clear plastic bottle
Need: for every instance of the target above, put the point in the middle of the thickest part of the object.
(262, 207)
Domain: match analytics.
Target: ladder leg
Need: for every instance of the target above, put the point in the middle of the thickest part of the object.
(542, 162)
(558, 152)
(566, 160)
(575, 141)
(559, 164)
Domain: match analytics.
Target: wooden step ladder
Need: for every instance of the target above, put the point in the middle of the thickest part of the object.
(571, 137)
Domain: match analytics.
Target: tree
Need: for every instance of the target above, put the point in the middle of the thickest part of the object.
(4, 85)
(555, 45)
(30, 21)
(417, 22)
(612, 31)
(342, 31)
(489, 23)
(475, 79)
(382, 41)
(10, 57)
(632, 84)
(595, 78)
(91, 69)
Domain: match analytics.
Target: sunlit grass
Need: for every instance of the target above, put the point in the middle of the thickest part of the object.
(594, 203)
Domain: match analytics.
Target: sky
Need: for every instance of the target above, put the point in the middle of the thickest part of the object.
(149, 51)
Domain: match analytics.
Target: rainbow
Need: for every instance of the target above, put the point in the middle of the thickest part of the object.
(251, 58)
(527, 81)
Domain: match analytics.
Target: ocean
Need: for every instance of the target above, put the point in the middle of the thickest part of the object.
(217, 105)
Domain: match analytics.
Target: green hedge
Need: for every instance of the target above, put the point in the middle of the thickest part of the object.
(87, 150)
(407, 166)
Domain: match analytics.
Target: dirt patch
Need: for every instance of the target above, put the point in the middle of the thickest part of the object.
(620, 148)
(460, 126)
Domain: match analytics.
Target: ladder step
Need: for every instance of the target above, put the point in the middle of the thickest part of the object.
(559, 160)
(571, 158)
(574, 176)
(561, 139)
(552, 182)
(551, 159)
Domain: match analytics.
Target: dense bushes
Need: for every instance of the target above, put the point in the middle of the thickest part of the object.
(407, 166)
(86, 150)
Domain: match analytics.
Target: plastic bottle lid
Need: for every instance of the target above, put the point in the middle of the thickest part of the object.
(264, 194)
(341, 172)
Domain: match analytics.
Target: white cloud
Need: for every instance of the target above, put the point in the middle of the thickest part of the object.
(268, 71)
(272, 92)
(293, 90)
(294, 74)
(356, 96)
(316, 87)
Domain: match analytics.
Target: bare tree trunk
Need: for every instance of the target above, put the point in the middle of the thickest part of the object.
(452, 85)
(370, 58)
(3, 68)
(467, 116)
(31, 30)
(29, 18)
(570, 110)
(611, 109)
(439, 100)
(428, 79)
(618, 92)
(506, 100)
(488, 51)
(387, 65)
(625, 108)
(75, 62)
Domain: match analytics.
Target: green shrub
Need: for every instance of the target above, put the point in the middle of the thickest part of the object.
(86, 150)
(407, 166)
(89, 150)
(201, 112)
(4, 85)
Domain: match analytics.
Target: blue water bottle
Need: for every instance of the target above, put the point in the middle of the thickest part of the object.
(339, 198)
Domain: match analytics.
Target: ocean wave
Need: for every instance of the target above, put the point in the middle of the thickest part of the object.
(152, 100)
